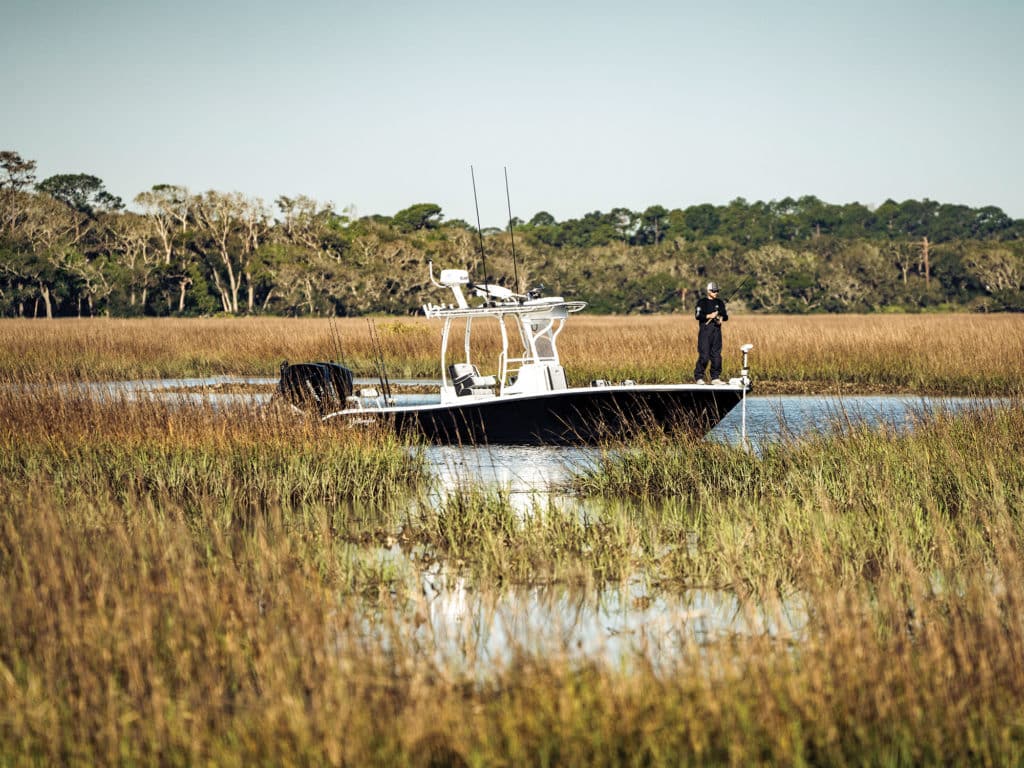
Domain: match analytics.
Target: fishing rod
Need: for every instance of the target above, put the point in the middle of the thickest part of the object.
(736, 290)
(381, 364)
(479, 229)
(729, 298)
(378, 352)
(512, 237)
(336, 338)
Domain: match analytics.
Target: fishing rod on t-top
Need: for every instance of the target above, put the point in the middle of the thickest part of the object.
(512, 237)
(479, 229)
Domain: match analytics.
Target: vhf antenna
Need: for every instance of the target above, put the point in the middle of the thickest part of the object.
(479, 230)
(515, 266)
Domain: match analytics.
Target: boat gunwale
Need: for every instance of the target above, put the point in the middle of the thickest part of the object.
(476, 400)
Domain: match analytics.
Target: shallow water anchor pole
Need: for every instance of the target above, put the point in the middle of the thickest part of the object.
(745, 381)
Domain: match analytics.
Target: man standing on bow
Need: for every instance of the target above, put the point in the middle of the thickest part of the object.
(710, 315)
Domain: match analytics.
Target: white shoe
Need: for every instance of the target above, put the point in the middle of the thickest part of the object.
(700, 381)
(716, 381)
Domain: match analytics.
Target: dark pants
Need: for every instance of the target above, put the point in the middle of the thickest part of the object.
(709, 347)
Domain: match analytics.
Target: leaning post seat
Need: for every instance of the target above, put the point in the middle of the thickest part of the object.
(467, 380)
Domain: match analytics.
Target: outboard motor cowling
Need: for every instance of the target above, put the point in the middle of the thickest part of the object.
(318, 387)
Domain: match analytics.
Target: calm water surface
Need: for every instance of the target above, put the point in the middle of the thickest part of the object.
(614, 622)
(525, 470)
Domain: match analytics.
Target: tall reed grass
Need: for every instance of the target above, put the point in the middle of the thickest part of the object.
(237, 586)
(961, 354)
(841, 505)
(933, 354)
(238, 460)
(130, 643)
(151, 620)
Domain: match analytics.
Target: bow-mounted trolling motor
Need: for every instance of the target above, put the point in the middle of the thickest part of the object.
(745, 382)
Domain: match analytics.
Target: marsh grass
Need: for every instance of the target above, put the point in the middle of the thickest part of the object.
(230, 586)
(842, 505)
(128, 643)
(154, 620)
(481, 532)
(107, 349)
(237, 461)
(937, 354)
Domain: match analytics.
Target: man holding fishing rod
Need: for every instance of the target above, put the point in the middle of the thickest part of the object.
(710, 314)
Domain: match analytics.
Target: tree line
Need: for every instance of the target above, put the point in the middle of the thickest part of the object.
(68, 247)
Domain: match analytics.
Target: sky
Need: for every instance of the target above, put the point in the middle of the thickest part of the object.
(588, 105)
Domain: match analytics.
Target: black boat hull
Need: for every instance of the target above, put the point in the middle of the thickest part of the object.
(582, 416)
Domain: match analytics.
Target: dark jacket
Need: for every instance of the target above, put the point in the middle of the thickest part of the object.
(708, 305)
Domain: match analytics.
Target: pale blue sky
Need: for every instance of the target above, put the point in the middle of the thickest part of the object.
(590, 105)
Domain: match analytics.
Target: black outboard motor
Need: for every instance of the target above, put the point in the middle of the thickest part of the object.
(319, 387)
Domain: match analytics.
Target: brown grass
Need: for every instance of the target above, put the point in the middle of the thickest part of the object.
(964, 354)
(144, 637)
(952, 354)
(201, 587)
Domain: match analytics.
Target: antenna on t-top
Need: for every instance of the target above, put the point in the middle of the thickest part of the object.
(515, 266)
(479, 230)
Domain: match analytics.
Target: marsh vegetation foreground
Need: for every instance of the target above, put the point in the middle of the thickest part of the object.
(233, 585)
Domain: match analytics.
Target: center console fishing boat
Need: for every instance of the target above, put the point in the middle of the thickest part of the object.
(526, 398)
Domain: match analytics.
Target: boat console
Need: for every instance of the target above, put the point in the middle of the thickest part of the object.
(531, 366)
